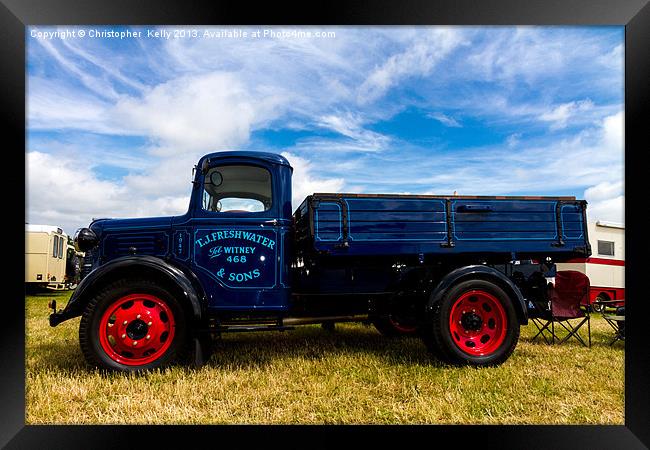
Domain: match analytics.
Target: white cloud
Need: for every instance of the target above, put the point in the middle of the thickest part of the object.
(605, 190)
(560, 115)
(193, 112)
(523, 52)
(106, 66)
(305, 183)
(444, 119)
(99, 86)
(533, 54)
(351, 126)
(606, 201)
(169, 176)
(610, 210)
(61, 193)
(419, 59)
(51, 105)
(154, 206)
(613, 60)
(513, 140)
(613, 128)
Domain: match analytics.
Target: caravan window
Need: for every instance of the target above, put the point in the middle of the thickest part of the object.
(55, 246)
(606, 248)
(61, 245)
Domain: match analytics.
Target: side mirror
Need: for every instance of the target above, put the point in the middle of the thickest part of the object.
(205, 166)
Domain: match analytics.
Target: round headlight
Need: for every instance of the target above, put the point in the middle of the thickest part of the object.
(85, 239)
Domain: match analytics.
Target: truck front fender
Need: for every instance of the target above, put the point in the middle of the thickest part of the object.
(484, 273)
(128, 265)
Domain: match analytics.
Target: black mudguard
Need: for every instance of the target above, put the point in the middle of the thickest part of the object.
(80, 297)
(484, 273)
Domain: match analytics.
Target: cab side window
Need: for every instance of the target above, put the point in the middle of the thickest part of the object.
(237, 188)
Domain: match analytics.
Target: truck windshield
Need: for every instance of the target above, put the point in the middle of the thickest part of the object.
(237, 188)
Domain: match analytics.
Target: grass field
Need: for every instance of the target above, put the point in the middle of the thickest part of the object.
(311, 376)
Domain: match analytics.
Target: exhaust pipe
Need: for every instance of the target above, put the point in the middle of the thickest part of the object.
(289, 321)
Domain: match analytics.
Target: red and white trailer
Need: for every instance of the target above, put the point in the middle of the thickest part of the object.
(606, 267)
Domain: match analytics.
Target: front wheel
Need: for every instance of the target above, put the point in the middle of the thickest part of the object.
(131, 326)
(475, 324)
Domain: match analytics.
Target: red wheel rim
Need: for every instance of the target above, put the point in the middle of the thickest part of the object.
(478, 323)
(137, 329)
(401, 327)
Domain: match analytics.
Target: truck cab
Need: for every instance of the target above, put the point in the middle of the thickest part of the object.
(240, 260)
(235, 235)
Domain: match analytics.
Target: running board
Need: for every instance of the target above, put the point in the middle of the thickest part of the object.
(245, 329)
(287, 323)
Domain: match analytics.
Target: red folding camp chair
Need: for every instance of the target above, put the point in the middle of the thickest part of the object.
(568, 301)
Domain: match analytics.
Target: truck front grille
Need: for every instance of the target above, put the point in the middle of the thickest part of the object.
(87, 265)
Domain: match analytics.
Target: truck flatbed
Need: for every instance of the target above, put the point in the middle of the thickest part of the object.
(385, 224)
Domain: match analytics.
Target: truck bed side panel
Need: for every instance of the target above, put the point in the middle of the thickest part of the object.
(389, 225)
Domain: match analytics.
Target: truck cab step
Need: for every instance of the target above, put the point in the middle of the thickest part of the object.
(250, 328)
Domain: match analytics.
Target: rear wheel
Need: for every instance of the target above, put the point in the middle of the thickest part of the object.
(475, 323)
(131, 326)
(396, 325)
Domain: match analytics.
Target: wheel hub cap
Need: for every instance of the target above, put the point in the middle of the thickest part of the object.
(478, 323)
(136, 329)
(471, 321)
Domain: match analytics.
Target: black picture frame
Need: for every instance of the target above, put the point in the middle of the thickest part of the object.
(16, 15)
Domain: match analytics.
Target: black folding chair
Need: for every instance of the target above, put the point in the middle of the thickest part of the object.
(617, 322)
(568, 306)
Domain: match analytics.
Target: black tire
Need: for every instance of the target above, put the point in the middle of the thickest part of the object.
(438, 338)
(73, 267)
(98, 305)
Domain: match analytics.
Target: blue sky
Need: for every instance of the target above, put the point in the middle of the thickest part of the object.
(114, 125)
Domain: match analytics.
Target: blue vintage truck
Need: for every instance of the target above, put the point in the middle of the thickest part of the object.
(445, 268)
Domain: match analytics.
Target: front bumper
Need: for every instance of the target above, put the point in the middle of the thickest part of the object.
(58, 316)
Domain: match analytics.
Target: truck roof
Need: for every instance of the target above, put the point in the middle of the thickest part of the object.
(270, 157)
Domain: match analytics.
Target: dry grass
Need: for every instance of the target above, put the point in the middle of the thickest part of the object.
(310, 376)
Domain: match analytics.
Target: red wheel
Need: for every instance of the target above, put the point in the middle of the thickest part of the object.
(478, 323)
(133, 325)
(404, 327)
(474, 323)
(137, 329)
(396, 324)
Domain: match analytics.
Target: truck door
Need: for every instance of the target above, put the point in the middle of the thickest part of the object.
(237, 237)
